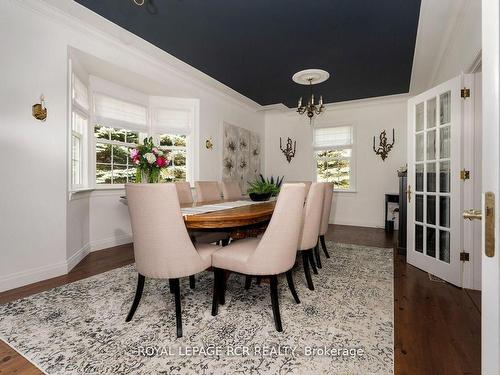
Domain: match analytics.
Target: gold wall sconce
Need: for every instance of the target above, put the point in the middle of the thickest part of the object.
(209, 144)
(38, 110)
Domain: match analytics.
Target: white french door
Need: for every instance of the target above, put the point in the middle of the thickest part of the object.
(434, 192)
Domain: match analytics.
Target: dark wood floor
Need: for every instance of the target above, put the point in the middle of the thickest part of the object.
(437, 326)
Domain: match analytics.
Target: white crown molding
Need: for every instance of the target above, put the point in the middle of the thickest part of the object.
(76, 16)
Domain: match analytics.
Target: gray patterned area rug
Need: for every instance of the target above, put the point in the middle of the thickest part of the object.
(345, 326)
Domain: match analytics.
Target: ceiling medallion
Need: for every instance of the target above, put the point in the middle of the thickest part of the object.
(139, 2)
(310, 77)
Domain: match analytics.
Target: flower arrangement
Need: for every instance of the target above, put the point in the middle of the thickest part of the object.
(149, 161)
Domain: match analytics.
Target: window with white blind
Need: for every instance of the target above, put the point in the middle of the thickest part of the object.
(118, 127)
(333, 152)
(173, 129)
(79, 133)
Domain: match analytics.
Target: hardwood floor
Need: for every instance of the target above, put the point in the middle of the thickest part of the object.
(437, 326)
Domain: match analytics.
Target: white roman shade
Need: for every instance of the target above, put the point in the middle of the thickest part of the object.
(172, 121)
(116, 113)
(334, 137)
(80, 93)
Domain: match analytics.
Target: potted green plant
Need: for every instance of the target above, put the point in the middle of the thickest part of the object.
(261, 190)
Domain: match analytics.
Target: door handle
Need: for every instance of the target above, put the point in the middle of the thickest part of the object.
(472, 214)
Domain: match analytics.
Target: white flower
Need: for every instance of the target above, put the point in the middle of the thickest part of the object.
(150, 157)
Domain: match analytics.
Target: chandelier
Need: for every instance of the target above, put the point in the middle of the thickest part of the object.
(310, 77)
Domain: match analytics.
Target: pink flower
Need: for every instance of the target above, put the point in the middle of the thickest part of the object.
(136, 161)
(161, 161)
(155, 151)
(134, 153)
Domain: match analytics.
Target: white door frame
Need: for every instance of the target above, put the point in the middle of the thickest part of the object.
(490, 305)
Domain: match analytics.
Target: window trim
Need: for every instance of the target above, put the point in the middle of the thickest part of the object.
(353, 158)
(75, 109)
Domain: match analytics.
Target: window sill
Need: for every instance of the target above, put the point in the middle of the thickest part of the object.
(345, 191)
(79, 193)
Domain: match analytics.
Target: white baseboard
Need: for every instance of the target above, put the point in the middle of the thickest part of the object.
(358, 224)
(77, 257)
(32, 275)
(110, 242)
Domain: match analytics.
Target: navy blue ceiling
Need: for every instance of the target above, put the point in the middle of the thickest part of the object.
(255, 46)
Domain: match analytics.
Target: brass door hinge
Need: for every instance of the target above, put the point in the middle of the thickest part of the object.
(464, 175)
(465, 93)
(464, 257)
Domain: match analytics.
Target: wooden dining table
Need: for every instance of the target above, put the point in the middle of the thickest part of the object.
(230, 218)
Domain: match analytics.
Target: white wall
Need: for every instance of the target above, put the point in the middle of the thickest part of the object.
(42, 232)
(374, 177)
(448, 42)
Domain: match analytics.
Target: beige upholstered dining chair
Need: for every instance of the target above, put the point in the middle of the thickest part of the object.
(162, 247)
(325, 216)
(207, 191)
(184, 192)
(311, 222)
(186, 197)
(231, 190)
(271, 255)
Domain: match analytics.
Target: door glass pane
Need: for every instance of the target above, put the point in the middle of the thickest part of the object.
(444, 142)
(431, 113)
(431, 242)
(419, 117)
(431, 145)
(419, 238)
(445, 108)
(431, 209)
(444, 246)
(419, 147)
(444, 177)
(419, 208)
(431, 177)
(419, 177)
(444, 211)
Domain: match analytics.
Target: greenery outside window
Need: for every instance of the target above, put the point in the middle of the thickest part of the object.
(112, 150)
(175, 148)
(333, 152)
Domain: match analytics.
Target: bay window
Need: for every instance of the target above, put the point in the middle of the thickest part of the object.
(108, 120)
(333, 152)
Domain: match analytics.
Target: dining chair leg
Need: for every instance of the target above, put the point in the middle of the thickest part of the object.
(225, 242)
(178, 314)
(316, 255)
(275, 303)
(291, 285)
(310, 254)
(222, 287)
(137, 298)
(215, 298)
(259, 279)
(192, 282)
(248, 282)
(323, 245)
(307, 272)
